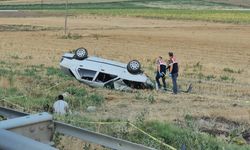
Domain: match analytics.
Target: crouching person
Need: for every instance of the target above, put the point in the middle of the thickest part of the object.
(60, 107)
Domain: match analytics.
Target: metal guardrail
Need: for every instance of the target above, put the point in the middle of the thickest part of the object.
(11, 113)
(83, 134)
(25, 120)
(13, 141)
(37, 126)
(98, 138)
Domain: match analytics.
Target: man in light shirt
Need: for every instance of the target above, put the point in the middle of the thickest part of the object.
(60, 106)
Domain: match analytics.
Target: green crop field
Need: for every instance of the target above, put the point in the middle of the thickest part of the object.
(150, 3)
(169, 9)
(175, 14)
(193, 4)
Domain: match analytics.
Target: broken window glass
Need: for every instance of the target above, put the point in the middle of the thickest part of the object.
(104, 77)
(86, 74)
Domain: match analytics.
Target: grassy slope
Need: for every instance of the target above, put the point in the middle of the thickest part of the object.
(171, 134)
(23, 86)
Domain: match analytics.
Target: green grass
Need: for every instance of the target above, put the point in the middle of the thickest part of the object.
(175, 14)
(5, 72)
(229, 70)
(73, 36)
(40, 85)
(39, 92)
(176, 136)
(80, 98)
(30, 72)
(56, 72)
(80, 92)
(17, 97)
(227, 78)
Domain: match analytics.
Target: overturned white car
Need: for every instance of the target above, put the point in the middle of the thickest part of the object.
(98, 72)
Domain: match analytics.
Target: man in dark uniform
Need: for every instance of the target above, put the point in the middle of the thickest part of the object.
(161, 72)
(173, 71)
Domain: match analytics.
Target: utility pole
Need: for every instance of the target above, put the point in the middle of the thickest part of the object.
(41, 4)
(66, 17)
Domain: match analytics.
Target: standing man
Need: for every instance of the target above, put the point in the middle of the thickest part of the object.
(173, 71)
(161, 68)
(60, 106)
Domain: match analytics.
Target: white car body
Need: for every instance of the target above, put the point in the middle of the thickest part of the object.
(99, 72)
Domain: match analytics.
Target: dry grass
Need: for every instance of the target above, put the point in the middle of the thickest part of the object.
(215, 46)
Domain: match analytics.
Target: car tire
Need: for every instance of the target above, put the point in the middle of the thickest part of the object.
(134, 67)
(81, 53)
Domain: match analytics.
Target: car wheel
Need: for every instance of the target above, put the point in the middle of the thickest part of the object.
(134, 67)
(81, 53)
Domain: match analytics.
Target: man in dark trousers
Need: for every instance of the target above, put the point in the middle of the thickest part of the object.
(161, 69)
(173, 71)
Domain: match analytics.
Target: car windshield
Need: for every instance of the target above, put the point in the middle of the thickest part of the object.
(86, 74)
